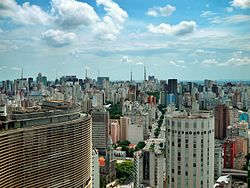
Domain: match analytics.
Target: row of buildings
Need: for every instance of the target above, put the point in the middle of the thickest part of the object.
(69, 126)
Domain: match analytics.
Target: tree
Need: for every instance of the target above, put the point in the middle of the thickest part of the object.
(140, 146)
(124, 170)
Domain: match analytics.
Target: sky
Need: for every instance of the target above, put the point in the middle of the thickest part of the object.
(184, 39)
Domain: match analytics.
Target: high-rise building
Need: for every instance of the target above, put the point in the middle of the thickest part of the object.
(221, 121)
(100, 129)
(95, 169)
(115, 131)
(190, 150)
(172, 86)
(49, 147)
(124, 123)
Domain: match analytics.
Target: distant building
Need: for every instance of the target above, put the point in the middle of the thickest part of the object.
(115, 130)
(221, 121)
(135, 133)
(100, 129)
(172, 86)
(124, 123)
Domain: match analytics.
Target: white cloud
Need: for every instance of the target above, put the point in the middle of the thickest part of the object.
(209, 62)
(161, 11)
(58, 38)
(229, 9)
(237, 61)
(139, 63)
(126, 59)
(16, 68)
(24, 14)
(71, 13)
(203, 52)
(244, 4)
(75, 53)
(109, 28)
(207, 14)
(183, 28)
(177, 63)
(239, 18)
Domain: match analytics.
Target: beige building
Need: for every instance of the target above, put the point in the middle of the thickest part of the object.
(124, 123)
(49, 147)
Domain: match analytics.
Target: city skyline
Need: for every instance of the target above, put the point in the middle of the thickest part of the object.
(173, 39)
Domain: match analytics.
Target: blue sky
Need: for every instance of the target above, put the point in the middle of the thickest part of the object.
(184, 39)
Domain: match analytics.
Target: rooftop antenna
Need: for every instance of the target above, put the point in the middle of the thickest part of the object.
(131, 76)
(22, 73)
(86, 73)
(145, 73)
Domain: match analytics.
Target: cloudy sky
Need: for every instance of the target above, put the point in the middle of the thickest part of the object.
(184, 39)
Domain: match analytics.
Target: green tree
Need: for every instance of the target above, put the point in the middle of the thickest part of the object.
(124, 170)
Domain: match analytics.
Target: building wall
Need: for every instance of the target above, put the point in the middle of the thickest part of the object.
(221, 121)
(95, 170)
(190, 151)
(52, 155)
(100, 129)
(124, 123)
(135, 133)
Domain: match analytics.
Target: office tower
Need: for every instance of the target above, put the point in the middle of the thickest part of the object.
(100, 129)
(41, 79)
(153, 164)
(208, 84)
(218, 158)
(124, 123)
(48, 147)
(172, 86)
(190, 150)
(115, 131)
(221, 121)
(138, 169)
(95, 169)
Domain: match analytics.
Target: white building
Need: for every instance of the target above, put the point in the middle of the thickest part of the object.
(135, 133)
(190, 150)
(95, 170)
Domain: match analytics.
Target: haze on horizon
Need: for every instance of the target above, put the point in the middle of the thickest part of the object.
(188, 40)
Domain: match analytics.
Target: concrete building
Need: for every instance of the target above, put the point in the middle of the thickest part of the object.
(153, 164)
(100, 129)
(135, 133)
(172, 86)
(50, 147)
(124, 123)
(190, 150)
(221, 121)
(115, 130)
(218, 158)
(95, 169)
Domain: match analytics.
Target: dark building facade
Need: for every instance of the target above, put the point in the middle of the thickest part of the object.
(222, 121)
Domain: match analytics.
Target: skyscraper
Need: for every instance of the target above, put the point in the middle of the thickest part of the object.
(172, 86)
(222, 121)
(50, 147)
(124, 123)
(190, 150)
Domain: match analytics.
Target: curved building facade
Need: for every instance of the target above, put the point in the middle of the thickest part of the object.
(48, 149)
(190, 150)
